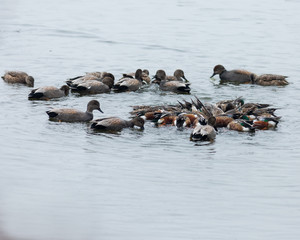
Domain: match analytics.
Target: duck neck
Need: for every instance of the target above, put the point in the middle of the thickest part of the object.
(224, 71)
(90, 110)
(129, 123)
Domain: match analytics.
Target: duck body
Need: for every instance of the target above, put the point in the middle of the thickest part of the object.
(234, 76)
(145, 76)
(128, 84)
(204, 130)
(74, 115)
(48, 92)
(91, 87)
(203, 133)
(240, 126)
(177, 76)
(18, 77)
(172, 86)
(116, 123)
(104, 77)
(271, 80)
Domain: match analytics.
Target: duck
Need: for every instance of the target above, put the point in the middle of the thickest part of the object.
(116, 123)
(143, 109)
(223, 121)
(265, 123)
(177, 76)
(74, 115)
(48, 92)
(233, 76)
(73, 82)
(151, 115)
(204, 130)
(104, 77)
(241, 125)
(145, 76)
(182, 121)
(172, 86)
(129, 84)
(227, 105)
(18, 77)
(108, 79)
(186, 120)
(207, 109)
(91, 87)
(167, 119)
(271, 80)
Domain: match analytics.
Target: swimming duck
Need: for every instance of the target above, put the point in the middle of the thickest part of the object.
(145, 76)
(73, 115)
(177, 76)
(173, 86)
(240, 125)
(18, 77)
(116, 124)
(128, 83)
(104, 77)
(48, 92)
(223, 121)
(233, 76)
(227, 105)
(271, 80)
(167, 119)
(73, 82)
(186, 120)
(91, 87)
(204, 130)
(265, 123)
(182, 121)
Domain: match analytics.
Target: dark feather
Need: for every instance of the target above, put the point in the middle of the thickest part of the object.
(51, 114)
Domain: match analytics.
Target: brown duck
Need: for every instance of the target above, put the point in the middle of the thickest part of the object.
(48, 92)
(18, 77)
(74, 115)
(116, 123)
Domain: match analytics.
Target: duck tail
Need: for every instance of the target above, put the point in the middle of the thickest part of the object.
(35, 95)
(198, 137)
(118, 88)
(185, 89)
(51, 114)
(249, 125)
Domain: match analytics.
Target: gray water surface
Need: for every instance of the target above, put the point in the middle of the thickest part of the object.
(62, 181)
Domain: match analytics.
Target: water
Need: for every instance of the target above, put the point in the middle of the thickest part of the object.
(61, 181)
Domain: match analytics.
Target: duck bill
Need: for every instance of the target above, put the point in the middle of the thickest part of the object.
(185, 79)
(100, 110)
(142, 128)
(213, 75)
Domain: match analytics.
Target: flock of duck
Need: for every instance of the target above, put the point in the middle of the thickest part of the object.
(203, 119)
